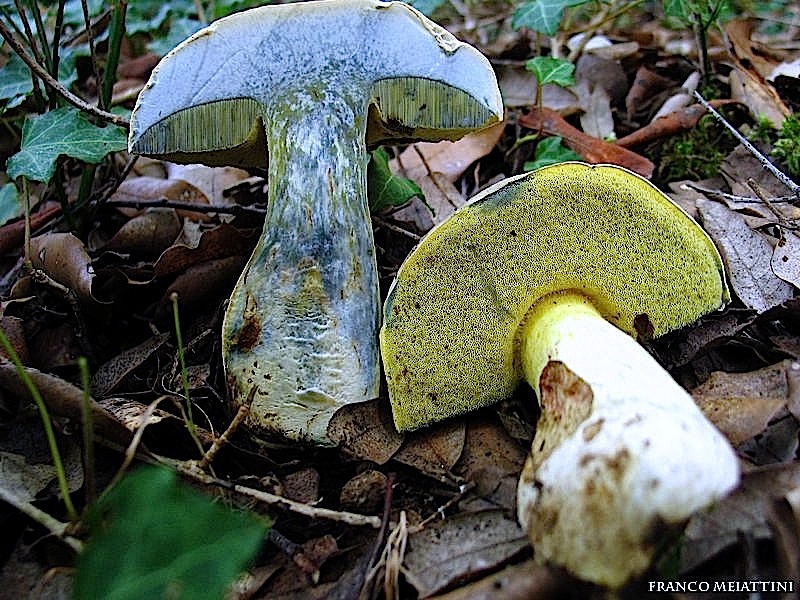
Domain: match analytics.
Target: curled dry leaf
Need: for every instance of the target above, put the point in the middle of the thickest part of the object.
(741, 405)
(111, 373)
(220, 242)
(209, 279)
(65, 259)
(25, 468)
(63, 399)
(523, 581)
(434, 450)
(493, 461)
(590, 149)
(147, 234)
(744, 511)
(460, 547)
(436, 166)
(364, 493)
(365, 430)
(302, 486)
(747, 255)
(211, 181)
(148, 190)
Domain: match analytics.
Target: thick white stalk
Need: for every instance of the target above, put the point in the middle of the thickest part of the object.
(621, 451)
(301, 327)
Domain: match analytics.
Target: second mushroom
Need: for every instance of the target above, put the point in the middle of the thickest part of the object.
(313, 84)
(547, 277)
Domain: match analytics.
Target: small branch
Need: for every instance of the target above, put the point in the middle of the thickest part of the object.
(223, 439)
(779, 175)
(53, 525)
(190, 470)
(56, 86)
(234, 209)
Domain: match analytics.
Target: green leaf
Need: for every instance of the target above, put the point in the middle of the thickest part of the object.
(154, 537)
(179, 29)
(10, 206)
(552, 70)
(65, 131)
(549, 152)
(384, 188)
(542, 16)
(15, 77)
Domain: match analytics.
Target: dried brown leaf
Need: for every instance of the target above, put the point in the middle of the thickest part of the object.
(151, 189)
(591, 149)
(63, 399)
(212, 279)
(460, 547)
(741, 405)
(220, 242)
(596, 119)
(747, 255)
(434, 450)
(147, 234)
(211, 181)
(112, 372)
(524, 581)
(743, 512)
(14, 330)
(450, 159)
(364, 493)
(493, 461)
(365, 430)
(64, 258)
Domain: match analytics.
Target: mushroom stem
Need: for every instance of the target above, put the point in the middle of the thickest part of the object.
(621, 452)
(301, 324)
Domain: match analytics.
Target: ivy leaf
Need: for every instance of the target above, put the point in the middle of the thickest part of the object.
(384, 188)
(426, 7)
(550, 151)
(552, 70)
(64, 131)
(10, 206)
(15, 78)
(154, 537)
(542, 16)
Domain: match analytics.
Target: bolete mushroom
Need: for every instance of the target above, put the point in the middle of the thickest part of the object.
(311, 83)
(545, 278)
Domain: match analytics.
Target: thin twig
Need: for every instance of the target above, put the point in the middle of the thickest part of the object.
(56, 86)
(50, 523)
(190, 470)
(779, 175)
(223, 439)
(87, 19)
(234, 209)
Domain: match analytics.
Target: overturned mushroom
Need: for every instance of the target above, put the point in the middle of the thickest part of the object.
(313, 83)
(544, 278)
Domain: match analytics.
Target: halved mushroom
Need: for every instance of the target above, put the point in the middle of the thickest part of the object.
(546, 277)
(312, 83)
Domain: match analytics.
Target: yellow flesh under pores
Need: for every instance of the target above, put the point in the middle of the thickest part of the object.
(451, 322)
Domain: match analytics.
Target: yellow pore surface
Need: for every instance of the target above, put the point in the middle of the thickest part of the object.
(449, 341)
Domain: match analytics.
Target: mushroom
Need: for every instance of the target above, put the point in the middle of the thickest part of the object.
(312, 83)
(545, 277)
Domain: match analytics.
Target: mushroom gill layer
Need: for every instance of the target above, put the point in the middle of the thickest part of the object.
(450, 335)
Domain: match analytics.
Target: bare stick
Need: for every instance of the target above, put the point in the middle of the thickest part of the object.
(56, 86)
(190, 470)
(53, 525)
(779, 175)
(220, 442)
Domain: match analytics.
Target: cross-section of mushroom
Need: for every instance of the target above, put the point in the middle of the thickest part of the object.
(311, 83)
(546, 278)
